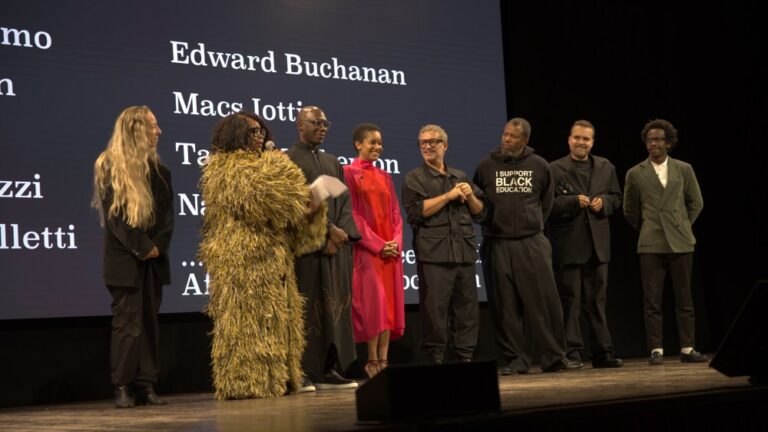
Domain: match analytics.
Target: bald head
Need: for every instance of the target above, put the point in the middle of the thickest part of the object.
(312, 125)
(309, 110)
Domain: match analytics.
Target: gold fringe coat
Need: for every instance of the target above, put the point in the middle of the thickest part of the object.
(256, 220)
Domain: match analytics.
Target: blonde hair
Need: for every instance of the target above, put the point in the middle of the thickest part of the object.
(122, 169)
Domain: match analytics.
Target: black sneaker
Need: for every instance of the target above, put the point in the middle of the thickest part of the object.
(435, 360)
(333, 381)
(562, 365)
(693, 357)
(306, 386)
(554, 367)
(574, 356)
(655, 359)
(511, 370)
(518, 366)
(574, 364)
(607, 360)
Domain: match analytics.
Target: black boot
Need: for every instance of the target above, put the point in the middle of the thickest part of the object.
(147, 396)
(123, 397)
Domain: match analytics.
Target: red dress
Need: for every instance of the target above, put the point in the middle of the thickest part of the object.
(377, 283)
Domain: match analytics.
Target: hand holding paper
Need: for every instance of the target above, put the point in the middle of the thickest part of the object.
(325, 186)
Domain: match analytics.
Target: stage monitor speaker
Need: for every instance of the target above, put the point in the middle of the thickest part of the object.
(744, 349)
(402, 392)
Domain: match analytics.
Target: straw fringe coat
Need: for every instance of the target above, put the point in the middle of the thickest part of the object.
(255, 223)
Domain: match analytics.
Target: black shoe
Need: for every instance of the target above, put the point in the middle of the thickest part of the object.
(518, 366)
(557, 366)
(573, 364)
(574, 356)
(655, 359)
(147, 396)
(306, 386)
(435, 360)
(505, 371)
(607, 361)
(693, 357)
(333, 381)
(123, 397)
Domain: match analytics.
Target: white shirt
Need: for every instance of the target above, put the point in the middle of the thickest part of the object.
(662, 170)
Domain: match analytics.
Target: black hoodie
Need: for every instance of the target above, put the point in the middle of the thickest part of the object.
(519, 193)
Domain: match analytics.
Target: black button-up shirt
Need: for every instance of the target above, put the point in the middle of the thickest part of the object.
(447, 236)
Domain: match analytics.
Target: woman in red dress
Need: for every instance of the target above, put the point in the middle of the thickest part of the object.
(378, 314)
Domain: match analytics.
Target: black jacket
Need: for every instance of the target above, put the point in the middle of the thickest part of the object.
(575, 231)
(124, 246)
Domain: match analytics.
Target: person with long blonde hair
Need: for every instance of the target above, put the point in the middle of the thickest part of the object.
(133, 194)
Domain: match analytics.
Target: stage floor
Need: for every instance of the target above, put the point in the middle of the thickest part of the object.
(335, 410)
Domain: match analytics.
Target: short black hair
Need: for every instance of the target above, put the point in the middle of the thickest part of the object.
(522, 123)
(361, 130)
(670, 133)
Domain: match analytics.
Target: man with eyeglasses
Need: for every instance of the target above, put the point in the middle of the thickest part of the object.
(441, 205)
(325, 276)
(662, 200)
(517, 257)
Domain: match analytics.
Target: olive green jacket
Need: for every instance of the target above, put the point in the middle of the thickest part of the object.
(663, 216)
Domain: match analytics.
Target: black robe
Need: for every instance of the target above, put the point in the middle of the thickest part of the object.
(325, 281)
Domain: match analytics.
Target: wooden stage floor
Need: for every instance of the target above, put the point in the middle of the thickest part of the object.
(335, 410)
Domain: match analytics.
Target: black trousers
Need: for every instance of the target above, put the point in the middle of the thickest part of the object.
(523, 298)
(134, 353)
(653, 272)
(444, 288)
(325, 284)
(583, 289)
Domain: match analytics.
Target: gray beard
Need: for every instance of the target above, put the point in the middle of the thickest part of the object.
(513, 153)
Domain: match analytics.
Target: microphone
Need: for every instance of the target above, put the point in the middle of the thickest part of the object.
(269, 145)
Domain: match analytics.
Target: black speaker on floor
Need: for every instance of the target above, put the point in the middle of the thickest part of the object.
(744, 349)
(402, 392)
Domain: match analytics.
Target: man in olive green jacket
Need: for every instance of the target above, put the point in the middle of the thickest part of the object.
(662, 199)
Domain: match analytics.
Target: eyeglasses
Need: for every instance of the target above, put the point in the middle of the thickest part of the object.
(319, 123)
(430, 142)
(257, 131)
(656, 139)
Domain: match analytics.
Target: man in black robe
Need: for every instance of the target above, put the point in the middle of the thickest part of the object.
(325, 276)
